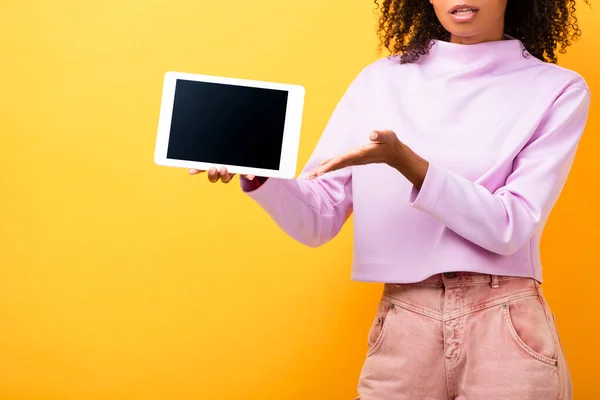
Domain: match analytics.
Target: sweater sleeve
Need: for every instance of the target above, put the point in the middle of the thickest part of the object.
(503, 221)
(314, 211)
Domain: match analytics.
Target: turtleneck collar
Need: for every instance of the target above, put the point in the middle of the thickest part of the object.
(485, 56)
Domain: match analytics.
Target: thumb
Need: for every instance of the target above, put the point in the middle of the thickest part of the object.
(383, 136)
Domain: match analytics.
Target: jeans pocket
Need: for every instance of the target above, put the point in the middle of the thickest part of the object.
(379, 327)
(530, 329)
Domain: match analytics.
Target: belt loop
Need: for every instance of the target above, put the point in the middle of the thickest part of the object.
(495, 283)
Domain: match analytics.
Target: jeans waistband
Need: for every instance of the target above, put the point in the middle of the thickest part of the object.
(466, 278)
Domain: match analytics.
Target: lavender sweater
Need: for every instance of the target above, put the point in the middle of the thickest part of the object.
(500, 129)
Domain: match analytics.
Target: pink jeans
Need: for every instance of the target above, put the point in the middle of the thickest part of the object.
(465, 336)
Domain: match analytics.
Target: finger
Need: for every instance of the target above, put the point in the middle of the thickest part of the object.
(333, 165)
(358, 156)
(249, 177)
(352, 153)
(383, 136)
(195, 171)
(225, 175)
(213, 175)
(325, 161)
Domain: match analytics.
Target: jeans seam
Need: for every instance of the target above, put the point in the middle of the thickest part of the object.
(491, 303)
(554, 331)
(427, 312)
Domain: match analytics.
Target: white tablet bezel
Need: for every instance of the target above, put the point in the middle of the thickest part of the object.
(291, 133)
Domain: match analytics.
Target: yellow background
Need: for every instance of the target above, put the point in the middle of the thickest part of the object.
(123, 280)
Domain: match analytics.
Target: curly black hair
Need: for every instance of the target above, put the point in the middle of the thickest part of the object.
(408, 27)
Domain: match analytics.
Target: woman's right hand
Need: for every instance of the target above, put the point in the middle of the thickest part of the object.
(222, 175)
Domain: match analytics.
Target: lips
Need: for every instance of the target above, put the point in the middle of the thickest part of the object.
(463, 9)
(463, 13)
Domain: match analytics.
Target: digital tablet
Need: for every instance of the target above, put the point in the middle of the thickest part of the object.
(249, 127)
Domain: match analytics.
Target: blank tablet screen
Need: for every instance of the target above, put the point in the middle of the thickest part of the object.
(226, 124)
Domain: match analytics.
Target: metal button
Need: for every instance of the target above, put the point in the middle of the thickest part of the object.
(449, 275)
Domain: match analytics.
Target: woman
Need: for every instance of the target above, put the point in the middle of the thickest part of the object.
(451, 154)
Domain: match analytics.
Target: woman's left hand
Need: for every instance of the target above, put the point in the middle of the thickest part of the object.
(384, 148)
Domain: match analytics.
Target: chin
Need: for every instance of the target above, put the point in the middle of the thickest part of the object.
(462, 35)
(463, 32)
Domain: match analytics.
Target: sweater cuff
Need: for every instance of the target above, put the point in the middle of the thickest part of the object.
(426, 199)
(251, 185)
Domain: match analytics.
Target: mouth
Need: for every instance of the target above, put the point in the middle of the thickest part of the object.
(463, 12)
(463, 9)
